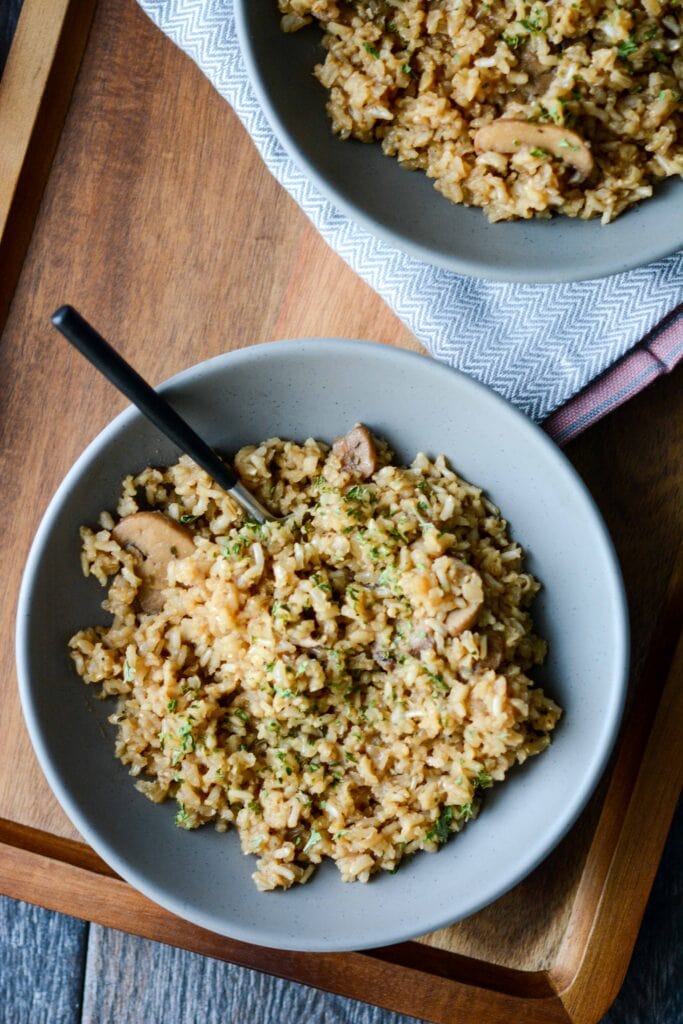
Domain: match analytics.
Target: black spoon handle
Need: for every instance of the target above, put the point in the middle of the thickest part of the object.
(92, 345)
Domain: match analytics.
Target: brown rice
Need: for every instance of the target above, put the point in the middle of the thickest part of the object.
(321, 682)
(422, 77)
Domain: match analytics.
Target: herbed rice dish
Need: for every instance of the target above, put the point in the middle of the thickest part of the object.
(523, 109)
(342, 682)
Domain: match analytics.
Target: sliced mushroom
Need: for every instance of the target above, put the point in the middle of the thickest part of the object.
(495, 648)
(357, 452)
(473, 594)
(155, 540)
(539, 75)
(385, 659)
(508, 135)
(422, 642)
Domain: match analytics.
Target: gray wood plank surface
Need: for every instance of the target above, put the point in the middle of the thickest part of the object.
(141, 982)
(653, 990)
(42, 956)
(9, 14)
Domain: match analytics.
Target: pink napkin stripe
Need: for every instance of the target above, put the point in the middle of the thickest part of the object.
(657, 354)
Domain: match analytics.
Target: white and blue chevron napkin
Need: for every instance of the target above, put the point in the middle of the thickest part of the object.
(538, 345)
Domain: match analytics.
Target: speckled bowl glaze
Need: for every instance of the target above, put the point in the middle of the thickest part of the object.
(318, 388)
(403, 208)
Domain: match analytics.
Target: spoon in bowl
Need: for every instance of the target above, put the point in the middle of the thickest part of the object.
(114, 367)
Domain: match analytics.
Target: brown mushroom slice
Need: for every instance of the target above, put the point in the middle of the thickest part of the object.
(155, 540)
(357, 452)
(464, 618)
(508, 135)
(495, 649)
(385, 659)
(422, 642)
(539, 75)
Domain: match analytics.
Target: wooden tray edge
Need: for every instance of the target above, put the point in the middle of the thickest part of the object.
(589, 974)
(35, 91)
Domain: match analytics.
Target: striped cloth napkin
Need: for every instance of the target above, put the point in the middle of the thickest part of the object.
(565, 354)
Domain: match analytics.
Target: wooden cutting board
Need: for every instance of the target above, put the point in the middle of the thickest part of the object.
(160, 222)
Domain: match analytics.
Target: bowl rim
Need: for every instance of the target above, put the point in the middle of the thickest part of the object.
(620, 261)
(190, 377)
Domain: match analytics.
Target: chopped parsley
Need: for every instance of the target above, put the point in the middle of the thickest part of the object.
(512, 41)
(320, 583)
(397, 535)
(533, 24)
(441, 830)
(374, 52)
(181, 816)
(233, 549)
(186, 737)
(358, 492)
(626, 47)
(465, 812)
(312, 840)
(438, 680)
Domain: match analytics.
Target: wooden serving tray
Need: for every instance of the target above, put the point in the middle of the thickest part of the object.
(160, 222)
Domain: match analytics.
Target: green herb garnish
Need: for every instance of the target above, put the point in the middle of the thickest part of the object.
(626, 47)
(312, 840)
(532, 24)
(441, 830)
(512, 41)
(465, 812)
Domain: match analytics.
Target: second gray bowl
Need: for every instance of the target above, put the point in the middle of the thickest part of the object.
(403, 208)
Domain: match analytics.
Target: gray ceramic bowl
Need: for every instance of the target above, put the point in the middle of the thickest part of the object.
(403, 208)
(318, 388)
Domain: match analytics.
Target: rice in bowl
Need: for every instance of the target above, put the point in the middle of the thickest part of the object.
(523, 109)
(343, 682)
